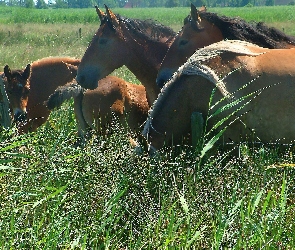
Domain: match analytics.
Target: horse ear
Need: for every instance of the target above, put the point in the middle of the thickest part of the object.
(196, 17)
(100, 13)
(27, 72)
(195, 13)
(112, 17)
(7, 72)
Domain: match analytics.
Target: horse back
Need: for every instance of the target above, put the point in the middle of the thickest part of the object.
(114, 95)
(47, 74)
(266, 83)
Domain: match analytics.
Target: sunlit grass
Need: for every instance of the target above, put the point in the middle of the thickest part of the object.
(54, 195)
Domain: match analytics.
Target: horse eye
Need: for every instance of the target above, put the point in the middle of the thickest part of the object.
(103, 41)
(183, 42)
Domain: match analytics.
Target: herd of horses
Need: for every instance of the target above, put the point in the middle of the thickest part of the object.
(239, 76)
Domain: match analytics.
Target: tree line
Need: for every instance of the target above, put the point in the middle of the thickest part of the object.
(41, 4)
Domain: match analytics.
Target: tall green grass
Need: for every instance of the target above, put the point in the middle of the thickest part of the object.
(280, 16)
(104, 196)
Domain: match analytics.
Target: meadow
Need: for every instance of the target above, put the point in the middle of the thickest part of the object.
(104, 196)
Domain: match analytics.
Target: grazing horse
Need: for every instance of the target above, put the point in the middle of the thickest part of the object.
(256, 84)
(17, 88)
(94, 108)
(203, 28)
(139, 45)
(46, 75)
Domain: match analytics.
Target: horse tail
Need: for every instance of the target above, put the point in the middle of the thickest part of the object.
(62, 94)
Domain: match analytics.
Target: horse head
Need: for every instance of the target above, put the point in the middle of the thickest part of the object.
(140, 45)
(18, 89)
(202, 28)
(197, 32)
(105, 52)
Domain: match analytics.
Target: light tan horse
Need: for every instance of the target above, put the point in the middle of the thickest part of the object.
(257, 83)
(139, 44)
(94, 109)
(202, 28)
(46, 75)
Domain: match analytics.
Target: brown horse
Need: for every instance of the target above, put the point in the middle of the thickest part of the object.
(203, 28)
(140, 45)
(46, 75)
(17, 86)
(256, 84)
(94, 109)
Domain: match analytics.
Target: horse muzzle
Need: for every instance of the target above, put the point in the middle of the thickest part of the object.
(163, 77)
(88, 78)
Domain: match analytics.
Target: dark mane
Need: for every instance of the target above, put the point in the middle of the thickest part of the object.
(257, 33)
(147, 29)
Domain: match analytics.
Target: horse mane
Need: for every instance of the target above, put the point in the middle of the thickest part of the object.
(239, 29)
(148, 29)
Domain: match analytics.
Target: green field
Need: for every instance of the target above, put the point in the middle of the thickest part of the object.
(104, 196)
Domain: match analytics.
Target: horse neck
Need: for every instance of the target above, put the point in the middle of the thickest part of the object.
(144, 62)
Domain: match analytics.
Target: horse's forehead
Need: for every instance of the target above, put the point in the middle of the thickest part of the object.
(17, 77)
(18, 82)
(185, 31)
(103, 30)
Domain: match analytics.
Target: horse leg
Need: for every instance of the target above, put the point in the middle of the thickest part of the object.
(83, 127)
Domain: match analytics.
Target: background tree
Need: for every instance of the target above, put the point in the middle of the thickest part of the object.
(121, 3)
(269, 2)
(172, 3)
(199, 3)
(41, 4)
(29, 3)
(60, 4)
(109, 3)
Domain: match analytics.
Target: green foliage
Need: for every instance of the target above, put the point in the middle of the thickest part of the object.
(41, 4)
(269, 2)
(80, 3)
(29, 4)
(60, 4)
(139, 3)
(199, 3)
(172, 3)
(54, 195)
(172, 17)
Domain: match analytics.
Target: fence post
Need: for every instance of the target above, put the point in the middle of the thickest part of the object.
(5, 118)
